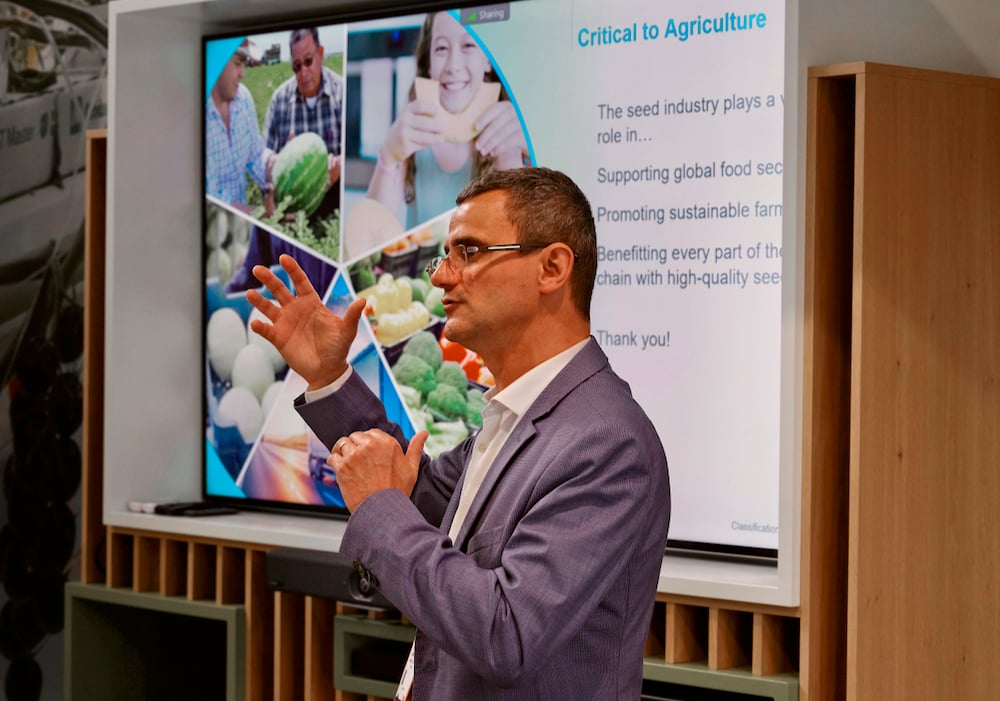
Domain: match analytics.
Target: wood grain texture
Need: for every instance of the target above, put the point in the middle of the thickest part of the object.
(923, 607)
(826, 386)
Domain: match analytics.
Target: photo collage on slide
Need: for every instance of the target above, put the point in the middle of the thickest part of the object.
(343, 147)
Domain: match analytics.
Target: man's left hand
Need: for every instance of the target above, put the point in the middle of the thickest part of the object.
(366, 462)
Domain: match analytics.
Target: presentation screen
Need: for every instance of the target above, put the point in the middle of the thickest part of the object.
(669, 115)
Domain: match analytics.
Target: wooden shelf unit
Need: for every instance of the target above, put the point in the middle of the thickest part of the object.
(903, 327)
(290, 639)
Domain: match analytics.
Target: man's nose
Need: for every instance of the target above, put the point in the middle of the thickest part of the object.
(444, 275)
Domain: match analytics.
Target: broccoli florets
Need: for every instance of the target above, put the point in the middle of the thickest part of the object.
(424, 345)
(474, 403)
(451, 373)
(414, 372)
(447, 401)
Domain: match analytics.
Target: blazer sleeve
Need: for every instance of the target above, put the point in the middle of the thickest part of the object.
(354, 407)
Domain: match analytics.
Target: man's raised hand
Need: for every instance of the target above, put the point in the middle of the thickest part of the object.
(312, 339)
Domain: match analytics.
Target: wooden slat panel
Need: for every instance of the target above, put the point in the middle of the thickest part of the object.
(119, 558)
(230, 572)
(319, 615)
(289, 647)
(259, 600)
(146, 564)
(173, 567)
(729, 639)
(706, 603)
(201, 571)
(656, 638)
(775, 646)
(686, 634)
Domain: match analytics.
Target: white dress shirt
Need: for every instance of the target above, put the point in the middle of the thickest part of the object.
(500, 415)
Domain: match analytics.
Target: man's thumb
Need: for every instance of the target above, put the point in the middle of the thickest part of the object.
(416, 448)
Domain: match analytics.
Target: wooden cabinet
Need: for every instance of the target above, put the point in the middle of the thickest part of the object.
(903, 273)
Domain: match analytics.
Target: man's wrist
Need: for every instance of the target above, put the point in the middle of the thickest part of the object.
(324, 387)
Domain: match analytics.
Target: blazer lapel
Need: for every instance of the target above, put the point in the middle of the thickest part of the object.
(588, 361)
(523, 432)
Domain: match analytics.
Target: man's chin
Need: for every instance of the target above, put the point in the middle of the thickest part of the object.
(453, 332)
(448, 331)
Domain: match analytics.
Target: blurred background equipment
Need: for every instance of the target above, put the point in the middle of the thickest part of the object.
(53, 58)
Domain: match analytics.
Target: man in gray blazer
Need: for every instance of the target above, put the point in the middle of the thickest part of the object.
(527, 557)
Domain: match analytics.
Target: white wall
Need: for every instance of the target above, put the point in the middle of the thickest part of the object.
(950, 35)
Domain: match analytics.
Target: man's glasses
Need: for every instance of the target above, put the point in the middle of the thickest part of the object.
(307, 62)
(460, 254)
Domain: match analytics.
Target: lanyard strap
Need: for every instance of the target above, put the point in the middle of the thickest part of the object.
(404, 692)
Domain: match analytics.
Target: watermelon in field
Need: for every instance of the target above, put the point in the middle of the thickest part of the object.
(300, 173)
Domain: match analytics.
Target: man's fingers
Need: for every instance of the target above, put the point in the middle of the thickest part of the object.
(353, 314)
(262, 304)
(281, 293)
(264, 330)
(334, 461)
(298, 277)
(262, 273)
(416, 448)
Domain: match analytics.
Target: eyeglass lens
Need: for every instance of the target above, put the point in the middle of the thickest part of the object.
(307, 62)
(456, 256)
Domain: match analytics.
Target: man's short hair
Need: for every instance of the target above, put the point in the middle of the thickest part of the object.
(545, 206)
(300, 34)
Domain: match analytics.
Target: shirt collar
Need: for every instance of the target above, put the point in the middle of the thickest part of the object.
(520, 394)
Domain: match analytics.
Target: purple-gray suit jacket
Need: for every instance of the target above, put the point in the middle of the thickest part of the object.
(547, 593)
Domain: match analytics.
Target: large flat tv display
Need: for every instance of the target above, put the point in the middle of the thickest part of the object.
(670, 117)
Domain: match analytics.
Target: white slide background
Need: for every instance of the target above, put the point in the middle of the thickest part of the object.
(688, 298)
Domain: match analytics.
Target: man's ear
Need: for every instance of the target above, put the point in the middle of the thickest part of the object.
(556, 267)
